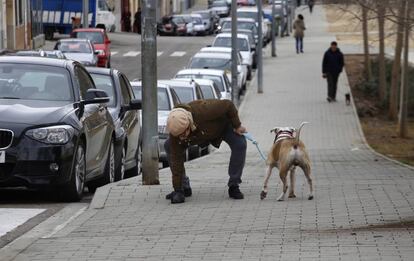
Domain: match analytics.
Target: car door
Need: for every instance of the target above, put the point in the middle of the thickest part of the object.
(130, 119)
(96, 126)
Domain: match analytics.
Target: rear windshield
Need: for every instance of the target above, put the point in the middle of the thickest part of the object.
(216, 79)
(207, 92)
(210, 63)
(104, 82)
(242, 44)
(252, 15)
(163, 98)
(185, 94)
(94, 37)
(73, 47)
(28, 82)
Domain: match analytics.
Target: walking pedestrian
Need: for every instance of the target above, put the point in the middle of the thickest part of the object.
(204, 122)
(299, 27)
(311, 3)
(298, 2)
(137, 21)
(332, 66)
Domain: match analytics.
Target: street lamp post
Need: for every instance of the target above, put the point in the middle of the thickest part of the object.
(260, 48)
(234, 48)
(85, 13)
(273, 29)
(150, 174)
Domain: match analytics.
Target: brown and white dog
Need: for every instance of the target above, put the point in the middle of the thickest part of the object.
(288, 152)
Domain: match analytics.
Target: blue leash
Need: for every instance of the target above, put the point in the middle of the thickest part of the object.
(250, 138)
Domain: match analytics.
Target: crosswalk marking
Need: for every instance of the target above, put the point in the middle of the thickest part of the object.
(178, 54)
(159, 53)
(114, 53)
(131, 53)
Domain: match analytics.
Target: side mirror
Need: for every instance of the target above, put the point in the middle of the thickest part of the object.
(94, 96)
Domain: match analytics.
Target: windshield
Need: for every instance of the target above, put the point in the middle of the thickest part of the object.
(210, 63)
(241, 25)
(215, 78)
(252, 15)
(163, 100)
(185, 94)
(73, 47)
(242, 44)
(94, 37)
(28, 82)
(104, 82)
(207, 92)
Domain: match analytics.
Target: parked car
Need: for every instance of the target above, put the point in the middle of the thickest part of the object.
(198, 26)
(100, 41)
(243, 46)
(252, 13)
(41, 53)
(208, 88)
(252, 43)
(244, 67)
(167, 26)
(182, 26)
(55, 129)
(123, 108)
(208, 20)
(221, 8)
(220, 61)
(218, 76)
(167, 100)
(242, 24)
(80, 50)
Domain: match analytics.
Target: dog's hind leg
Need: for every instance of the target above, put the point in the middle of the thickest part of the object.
(263, 194)
(307, 170)
(292, 183)
(283, 176)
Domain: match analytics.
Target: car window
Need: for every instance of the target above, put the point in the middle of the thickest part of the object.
(22, 81)
(126, 97)
(213, 63)
(242, 44)
(185, 94)
(94, 37)
(84, 80)
(105, 83)
(162, 97)
(207, 92)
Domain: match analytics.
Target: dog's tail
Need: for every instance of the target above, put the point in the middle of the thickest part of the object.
(297, 137)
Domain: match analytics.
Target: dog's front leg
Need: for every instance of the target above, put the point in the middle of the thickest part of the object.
(283, 177)
(263, 194)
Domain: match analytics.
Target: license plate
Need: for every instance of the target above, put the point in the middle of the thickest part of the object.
(2, 156)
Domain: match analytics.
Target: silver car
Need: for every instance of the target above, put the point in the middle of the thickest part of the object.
(80, 50)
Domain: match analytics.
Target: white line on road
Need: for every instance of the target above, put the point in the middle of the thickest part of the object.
(159, 53)
(131, 53)
(178, 54)
(114, 53)
(61, 226)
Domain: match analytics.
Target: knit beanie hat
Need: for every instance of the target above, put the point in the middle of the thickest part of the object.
(178, 121)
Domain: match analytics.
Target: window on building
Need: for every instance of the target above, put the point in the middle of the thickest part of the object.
(19, 5)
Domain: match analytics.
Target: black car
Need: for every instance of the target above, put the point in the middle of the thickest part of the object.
(55, 129)
(126, 120)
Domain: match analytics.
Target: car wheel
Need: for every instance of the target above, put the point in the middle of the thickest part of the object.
(120, 171)
(73, 191)
(109, 173)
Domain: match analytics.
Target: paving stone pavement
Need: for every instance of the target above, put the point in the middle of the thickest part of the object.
(363, 207)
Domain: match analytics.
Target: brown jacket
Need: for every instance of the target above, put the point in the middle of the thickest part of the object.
(211, 117)
(299, 26)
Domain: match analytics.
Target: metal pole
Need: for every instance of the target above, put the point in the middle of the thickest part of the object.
(259, 49)
(402, 119)
(1, 24)
(234, 48)
(273, 29)
(85, 13)
(149, 94)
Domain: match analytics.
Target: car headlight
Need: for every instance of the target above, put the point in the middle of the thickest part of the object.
(52, 135)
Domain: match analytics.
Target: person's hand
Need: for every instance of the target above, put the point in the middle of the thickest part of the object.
(240, 130)
(324, 75)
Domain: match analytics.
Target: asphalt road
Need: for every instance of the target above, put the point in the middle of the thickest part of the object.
(173, 55)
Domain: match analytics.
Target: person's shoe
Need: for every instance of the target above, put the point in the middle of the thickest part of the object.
(235, 193)
(329, 99)
(187, 193)
(301, 51)
(177, 197)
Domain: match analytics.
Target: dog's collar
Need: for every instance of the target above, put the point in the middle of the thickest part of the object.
(283, 134)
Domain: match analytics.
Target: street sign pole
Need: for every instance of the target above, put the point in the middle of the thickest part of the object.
(150, 174)
(273, 29)
(234, 48)
(85, 12)
(259, 48)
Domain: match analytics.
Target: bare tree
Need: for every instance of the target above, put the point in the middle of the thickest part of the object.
(395, 77)
(367, 58)
(381, 11)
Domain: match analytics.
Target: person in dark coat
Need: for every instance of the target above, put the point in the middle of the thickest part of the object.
(137, 21)
(311, 3)
(204, 122)
(332, 66)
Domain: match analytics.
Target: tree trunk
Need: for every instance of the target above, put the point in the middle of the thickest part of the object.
(368, 69)
(382, 90)
(395, 78)
(402, 119)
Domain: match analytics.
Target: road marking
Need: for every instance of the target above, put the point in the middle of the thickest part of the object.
(10, 218)
(178, 54)
(159, 53)
(61, 226)
(114, 53)
(131, 53)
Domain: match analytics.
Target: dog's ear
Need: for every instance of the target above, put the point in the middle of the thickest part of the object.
(275, 130)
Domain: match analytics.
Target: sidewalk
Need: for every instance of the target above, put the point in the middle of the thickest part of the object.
(363, 207)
